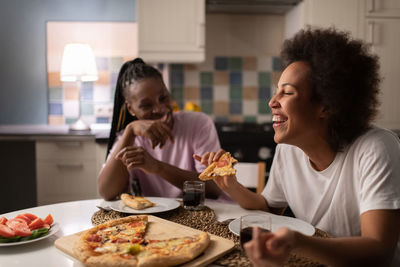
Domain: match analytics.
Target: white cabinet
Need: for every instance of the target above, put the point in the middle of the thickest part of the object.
(66, 170)
(382, 8)
(380, 27)
(171, 31)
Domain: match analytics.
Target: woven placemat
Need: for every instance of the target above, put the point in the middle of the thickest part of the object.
(205, 220)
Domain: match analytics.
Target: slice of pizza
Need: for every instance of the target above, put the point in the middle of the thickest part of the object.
(222, 167)
(116, 241)
(137, 203)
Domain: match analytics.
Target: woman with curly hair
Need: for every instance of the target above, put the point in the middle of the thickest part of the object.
(332, 167)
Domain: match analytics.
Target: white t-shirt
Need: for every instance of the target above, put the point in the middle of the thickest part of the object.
(365, 176)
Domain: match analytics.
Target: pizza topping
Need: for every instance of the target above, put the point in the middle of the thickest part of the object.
(134, 249)
(119, 240)
(223, 167)
(94, 238)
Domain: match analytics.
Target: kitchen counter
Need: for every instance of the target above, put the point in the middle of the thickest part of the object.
(39, 132)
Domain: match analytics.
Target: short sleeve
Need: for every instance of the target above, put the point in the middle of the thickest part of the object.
(379, 162)
(273, 191)
(205, 138)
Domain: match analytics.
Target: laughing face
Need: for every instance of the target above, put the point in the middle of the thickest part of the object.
(149, 99)
(296, 119)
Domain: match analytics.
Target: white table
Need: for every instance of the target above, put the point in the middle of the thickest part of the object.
(75, 217)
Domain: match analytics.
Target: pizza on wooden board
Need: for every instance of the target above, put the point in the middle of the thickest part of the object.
(122, 242)
(137, 203)
(222, 167)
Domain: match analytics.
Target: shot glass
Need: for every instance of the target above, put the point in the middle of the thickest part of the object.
(248, 222)
(193, 195)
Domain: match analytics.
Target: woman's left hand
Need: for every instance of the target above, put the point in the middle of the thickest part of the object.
(137, 157)
(270, 249)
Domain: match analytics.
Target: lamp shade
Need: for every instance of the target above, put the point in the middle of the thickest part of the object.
(78, 63)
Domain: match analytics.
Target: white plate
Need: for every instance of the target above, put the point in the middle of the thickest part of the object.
(54, 228)
(162, 204)
(278, 222)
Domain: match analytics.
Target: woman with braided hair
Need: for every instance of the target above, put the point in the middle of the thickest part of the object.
(149, 142)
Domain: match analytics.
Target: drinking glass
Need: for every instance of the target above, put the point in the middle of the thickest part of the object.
(193, 195)
(248, 222)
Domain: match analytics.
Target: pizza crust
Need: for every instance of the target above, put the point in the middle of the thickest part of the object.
(213, 171)
(137, 203)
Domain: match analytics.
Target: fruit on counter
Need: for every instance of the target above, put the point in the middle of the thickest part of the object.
(190, 106)
(24, 227)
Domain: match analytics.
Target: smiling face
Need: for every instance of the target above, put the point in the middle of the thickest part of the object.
(149, 99)
(296, 119)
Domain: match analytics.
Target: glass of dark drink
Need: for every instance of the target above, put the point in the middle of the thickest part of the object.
(193, 195)
(248, 222)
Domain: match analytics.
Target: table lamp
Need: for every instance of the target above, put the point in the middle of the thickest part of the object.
(78, 65)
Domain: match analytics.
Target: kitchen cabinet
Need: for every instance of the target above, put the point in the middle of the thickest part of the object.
(382, 8)
(66, 170)
(171, 31)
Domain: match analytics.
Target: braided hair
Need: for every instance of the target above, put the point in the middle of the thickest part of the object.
(131, 71)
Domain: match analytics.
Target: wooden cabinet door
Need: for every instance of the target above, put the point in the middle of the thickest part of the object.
(171, 31)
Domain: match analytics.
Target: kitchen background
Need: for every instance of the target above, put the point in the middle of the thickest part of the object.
(222, 56)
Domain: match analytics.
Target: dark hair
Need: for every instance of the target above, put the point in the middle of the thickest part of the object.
(344, 76)
(131, 71)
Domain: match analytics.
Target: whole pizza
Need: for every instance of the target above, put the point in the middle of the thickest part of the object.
(122, 242)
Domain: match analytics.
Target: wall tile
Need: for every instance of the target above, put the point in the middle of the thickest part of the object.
(235, 92)
(102, 63)
(263, 107)
(56, 120)
(116, 64)
(221, 78)
(252, 119)
(71, 109)
(102, 93)
(87, 91)
(176, 78)
(235, 107)
(235, 64)
(70, 91)
(103, 120)
(235, 78)
(104, 78)
(207, 106)
(250, 78)
(54, 79)
(221, 108)
(206, 93)
(55, 108)
(264, 79)
(191, 78)
(264, 118)
(221, 119)
(176, 67)
(190, 67)
(87, 109)
(236, 118)
(206, 79)
(177, 93)
(249, 63)
(250, 107)
(191, 93)
(276, 64)
(264, 93)
(221, 63)
(55, 93)
(264, 64)
(250, 92)
(221, 93)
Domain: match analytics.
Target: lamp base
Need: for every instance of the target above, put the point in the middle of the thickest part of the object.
(79, 125)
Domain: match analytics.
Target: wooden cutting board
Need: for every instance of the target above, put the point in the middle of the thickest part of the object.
(162, 229)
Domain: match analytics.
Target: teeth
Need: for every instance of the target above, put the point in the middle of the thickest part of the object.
(277, 118)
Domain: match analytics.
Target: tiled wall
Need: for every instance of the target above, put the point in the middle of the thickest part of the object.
(231, 89)
(96, 99)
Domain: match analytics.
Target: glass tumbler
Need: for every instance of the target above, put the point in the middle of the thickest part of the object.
(248, 222)
(193, 195)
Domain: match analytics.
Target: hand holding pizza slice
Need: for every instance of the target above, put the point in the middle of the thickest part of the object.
(222, 167)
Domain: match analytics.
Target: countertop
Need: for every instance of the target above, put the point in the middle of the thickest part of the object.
(100, 132)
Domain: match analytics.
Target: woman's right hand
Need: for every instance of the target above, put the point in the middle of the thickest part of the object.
(225, 182)
(157, 131)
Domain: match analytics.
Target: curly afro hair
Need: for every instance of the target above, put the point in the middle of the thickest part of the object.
(344, 76)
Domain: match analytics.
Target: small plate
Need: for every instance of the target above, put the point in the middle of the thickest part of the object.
(54, 228)
(162, 204)
(278, 222)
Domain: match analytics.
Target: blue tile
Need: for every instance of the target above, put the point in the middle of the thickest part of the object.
(206, 93)
(221, 63)
(102, 120)
(55, 109)
(264, 93)
(176, 78)
(235, 78)
(235, 107)
(102, 63)
(276, 64)
(176, 67)
(87, 91)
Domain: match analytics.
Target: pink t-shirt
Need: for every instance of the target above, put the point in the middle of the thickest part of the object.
(194, 133)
